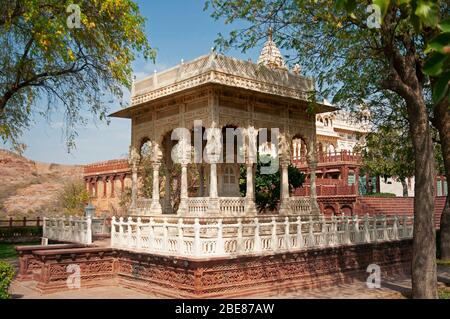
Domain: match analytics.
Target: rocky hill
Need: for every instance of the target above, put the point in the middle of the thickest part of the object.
(29, 188)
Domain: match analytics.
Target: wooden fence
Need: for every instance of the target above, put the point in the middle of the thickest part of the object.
(24, 222)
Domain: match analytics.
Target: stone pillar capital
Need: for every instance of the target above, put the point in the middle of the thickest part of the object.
(284, 162)
(134, 157)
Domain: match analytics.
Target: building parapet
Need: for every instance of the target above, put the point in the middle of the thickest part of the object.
(112, 166)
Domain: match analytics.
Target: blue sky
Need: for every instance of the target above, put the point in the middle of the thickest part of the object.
(179, 29)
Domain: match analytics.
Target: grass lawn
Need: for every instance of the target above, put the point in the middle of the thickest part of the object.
(8, 251)
(444, 294)
(443, 262)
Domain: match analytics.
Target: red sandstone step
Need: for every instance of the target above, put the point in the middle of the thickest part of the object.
(71, 251)
(48, 247)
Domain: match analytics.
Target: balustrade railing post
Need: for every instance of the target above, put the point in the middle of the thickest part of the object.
(72, 234)
(138, 233)
(358, 238)
(113, 231)
(239, 240)
(366, 229)
(165, 236)
(385, 229)
(257, 236)
(151, 235)
(374, 229)
(80, 225)
(347, 237)
(287, 236)
(121, 239)
(197, 243)
(311, 239)
(129, 231)
(300, 243)
(180, 236)
(405, 226)
(333, 241)
(219, 244)
(395, 228)
(274, 235)
(89, 231)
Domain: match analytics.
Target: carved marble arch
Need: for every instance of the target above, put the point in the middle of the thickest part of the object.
(306, 148)
(162, 131)
(145, 146)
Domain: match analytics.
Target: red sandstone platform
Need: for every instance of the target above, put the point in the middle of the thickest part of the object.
(179, 277)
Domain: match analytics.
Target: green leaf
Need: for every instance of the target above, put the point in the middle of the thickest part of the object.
(440, 88)
(445, 25)
(434, 65)
(384, 5)
(348, 5)
(417, 24)
(340, 4)
(439, 43)
(428, 12)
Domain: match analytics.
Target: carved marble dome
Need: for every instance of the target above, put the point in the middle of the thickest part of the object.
(270, 55)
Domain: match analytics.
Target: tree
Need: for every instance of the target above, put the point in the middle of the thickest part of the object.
(388, 153)
(438, 68)
(76, 68)
(73, 198)
(361, 61)
(268, 186)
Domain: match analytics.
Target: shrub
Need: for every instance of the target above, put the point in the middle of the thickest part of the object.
(6, 276)
(73, 198)
(268, 186)
(11, 232)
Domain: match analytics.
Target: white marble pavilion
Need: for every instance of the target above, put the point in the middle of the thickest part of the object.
(222, 92)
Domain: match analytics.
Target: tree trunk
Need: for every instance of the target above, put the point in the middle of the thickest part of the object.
(405, 187)
(424, 277)
(442, 123)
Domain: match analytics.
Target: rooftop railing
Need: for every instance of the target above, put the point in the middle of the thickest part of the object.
(330, 157)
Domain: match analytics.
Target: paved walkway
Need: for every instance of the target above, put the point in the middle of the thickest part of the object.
(27, 290)
(394, 288)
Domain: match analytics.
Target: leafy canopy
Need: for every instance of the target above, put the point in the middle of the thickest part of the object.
(332, 41)
(73, 198)
(47, 66)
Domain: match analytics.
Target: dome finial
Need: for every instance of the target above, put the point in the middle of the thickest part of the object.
(270, 55)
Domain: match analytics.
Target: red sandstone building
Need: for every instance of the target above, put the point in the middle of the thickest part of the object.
(106, 182)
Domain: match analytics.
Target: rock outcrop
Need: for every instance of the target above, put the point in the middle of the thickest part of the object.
(30, 188)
